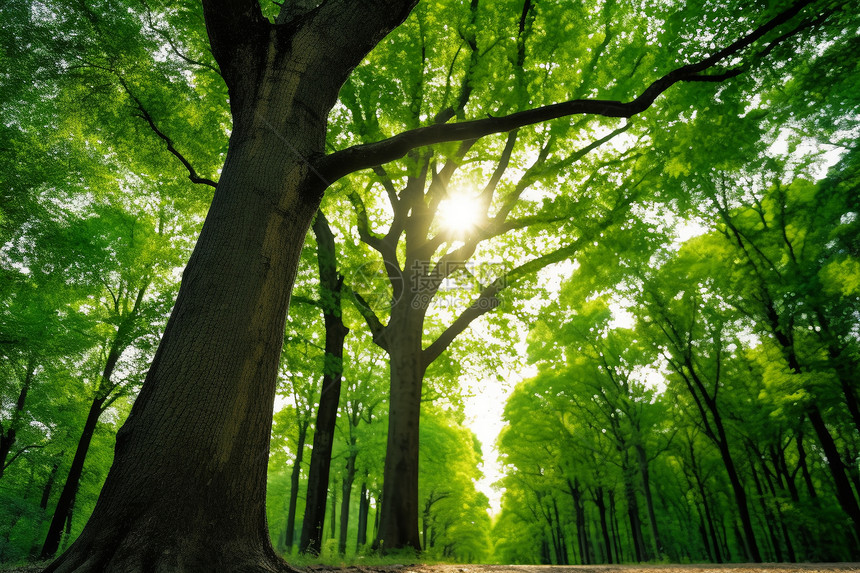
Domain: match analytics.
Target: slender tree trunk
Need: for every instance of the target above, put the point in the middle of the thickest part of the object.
(703, 533)
(724, 539)
(295, 476)
(398, 527)
(333, 522)
(346, 496)
(710, 521)
(738, 490)
(844, 493)
(642, 460)
(561, 549)
(7, 435)
(604, 528)
(67, 496)
(331, 287)
(49, 485)
(775, 496)
(376, 517)
(613, 523)
(636, 538)
(768, 516)
(804, 468)
(363, 509)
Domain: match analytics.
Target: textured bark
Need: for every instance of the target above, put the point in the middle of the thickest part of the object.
(186, 491)
(398, 524)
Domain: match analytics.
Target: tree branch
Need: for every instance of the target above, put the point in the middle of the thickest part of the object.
(487, 300)
(377, 329)
(144, 114)
(341, 163)
(18, 453)
(166, 37)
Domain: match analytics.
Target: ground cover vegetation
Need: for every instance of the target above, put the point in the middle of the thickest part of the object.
(653, 204)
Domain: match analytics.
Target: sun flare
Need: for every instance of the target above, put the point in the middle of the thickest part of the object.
(459, 213)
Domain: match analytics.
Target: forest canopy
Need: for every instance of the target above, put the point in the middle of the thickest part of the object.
(260, 263)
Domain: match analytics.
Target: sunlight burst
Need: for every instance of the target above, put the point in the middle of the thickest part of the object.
(460, 213)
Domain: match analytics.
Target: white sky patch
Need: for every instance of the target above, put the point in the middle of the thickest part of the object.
(804, 147)
(484, 409)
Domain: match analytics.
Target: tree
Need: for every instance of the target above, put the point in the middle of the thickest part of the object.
(197, 498)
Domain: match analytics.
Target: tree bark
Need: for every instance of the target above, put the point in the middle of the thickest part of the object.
(333, 522)
(70, 488)
(844, 492)
(613, 524)
(363, 509)
(187, 488)
(7, 436)
(290, 533)
(642, 460)
(345, 498)
(740, 493)
(331, 287)
(398, 523)
(604, 528)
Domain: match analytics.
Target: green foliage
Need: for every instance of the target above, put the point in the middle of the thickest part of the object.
(107, 110)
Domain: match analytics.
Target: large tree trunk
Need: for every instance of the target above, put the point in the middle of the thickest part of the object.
(398, 524)
(187, 489)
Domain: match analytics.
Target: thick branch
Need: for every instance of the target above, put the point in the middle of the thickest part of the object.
(340, 163)
(377, 243)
